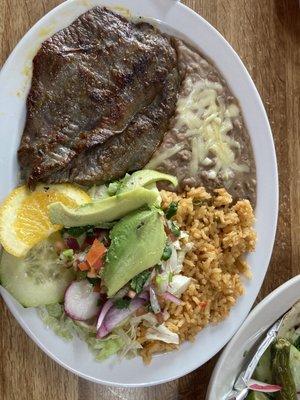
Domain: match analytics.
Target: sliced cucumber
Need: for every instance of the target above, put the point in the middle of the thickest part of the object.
(36, 280)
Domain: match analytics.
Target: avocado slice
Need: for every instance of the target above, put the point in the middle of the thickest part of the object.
(144, 177)
(104, 210)
(137, 243)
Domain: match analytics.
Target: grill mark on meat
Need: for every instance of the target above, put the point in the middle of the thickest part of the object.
(103, 81)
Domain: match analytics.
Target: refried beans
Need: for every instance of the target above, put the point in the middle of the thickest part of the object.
(207, 143)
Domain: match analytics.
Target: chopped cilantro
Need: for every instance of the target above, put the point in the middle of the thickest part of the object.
(175, 229)
(171, 210)
(122, 303)
(138, 281)
(166, 253)
(67, 255)
(77, 231)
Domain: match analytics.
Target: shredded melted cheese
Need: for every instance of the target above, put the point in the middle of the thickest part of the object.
(206, 121)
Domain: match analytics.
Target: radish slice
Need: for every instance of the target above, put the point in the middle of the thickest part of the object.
(115, 316)
(263, 387)
(81, 302)
(106, 307)
(169, 296)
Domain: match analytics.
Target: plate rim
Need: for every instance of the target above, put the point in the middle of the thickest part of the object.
(276, 195)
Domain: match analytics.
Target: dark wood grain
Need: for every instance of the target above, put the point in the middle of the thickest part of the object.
(266, 35)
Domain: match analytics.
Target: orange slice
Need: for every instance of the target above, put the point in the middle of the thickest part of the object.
(24, 219)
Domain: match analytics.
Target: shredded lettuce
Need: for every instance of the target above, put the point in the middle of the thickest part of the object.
(54, 317)
(121, 341)
(104, 348)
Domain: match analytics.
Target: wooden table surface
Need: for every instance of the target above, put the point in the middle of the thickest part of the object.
(266, 35)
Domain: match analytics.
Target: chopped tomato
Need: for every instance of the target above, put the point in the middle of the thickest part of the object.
(95, 255)
(202, 304)
(83, 266)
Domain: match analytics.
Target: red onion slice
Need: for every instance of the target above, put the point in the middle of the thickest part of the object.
(104, 310)
(115, 316)
(263, 387)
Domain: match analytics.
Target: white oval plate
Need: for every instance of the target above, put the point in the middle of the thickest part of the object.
(258, 321)
(14, 85)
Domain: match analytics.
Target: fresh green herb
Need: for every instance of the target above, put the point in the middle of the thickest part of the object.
(93, 281)
(157, 268)
(175, 229)
(138, 281)
(167, 253)
(113, 188)
(170, 277)
(77, 231)
(67, 255)
(122, 303)
(297, 343)
(171, 210)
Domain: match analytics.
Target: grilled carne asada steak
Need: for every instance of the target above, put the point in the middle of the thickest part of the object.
(102, 93)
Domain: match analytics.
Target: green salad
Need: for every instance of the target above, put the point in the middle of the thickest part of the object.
(109, 270)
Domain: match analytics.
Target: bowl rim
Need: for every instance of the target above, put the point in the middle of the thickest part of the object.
(261, 108)
(253, 315)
